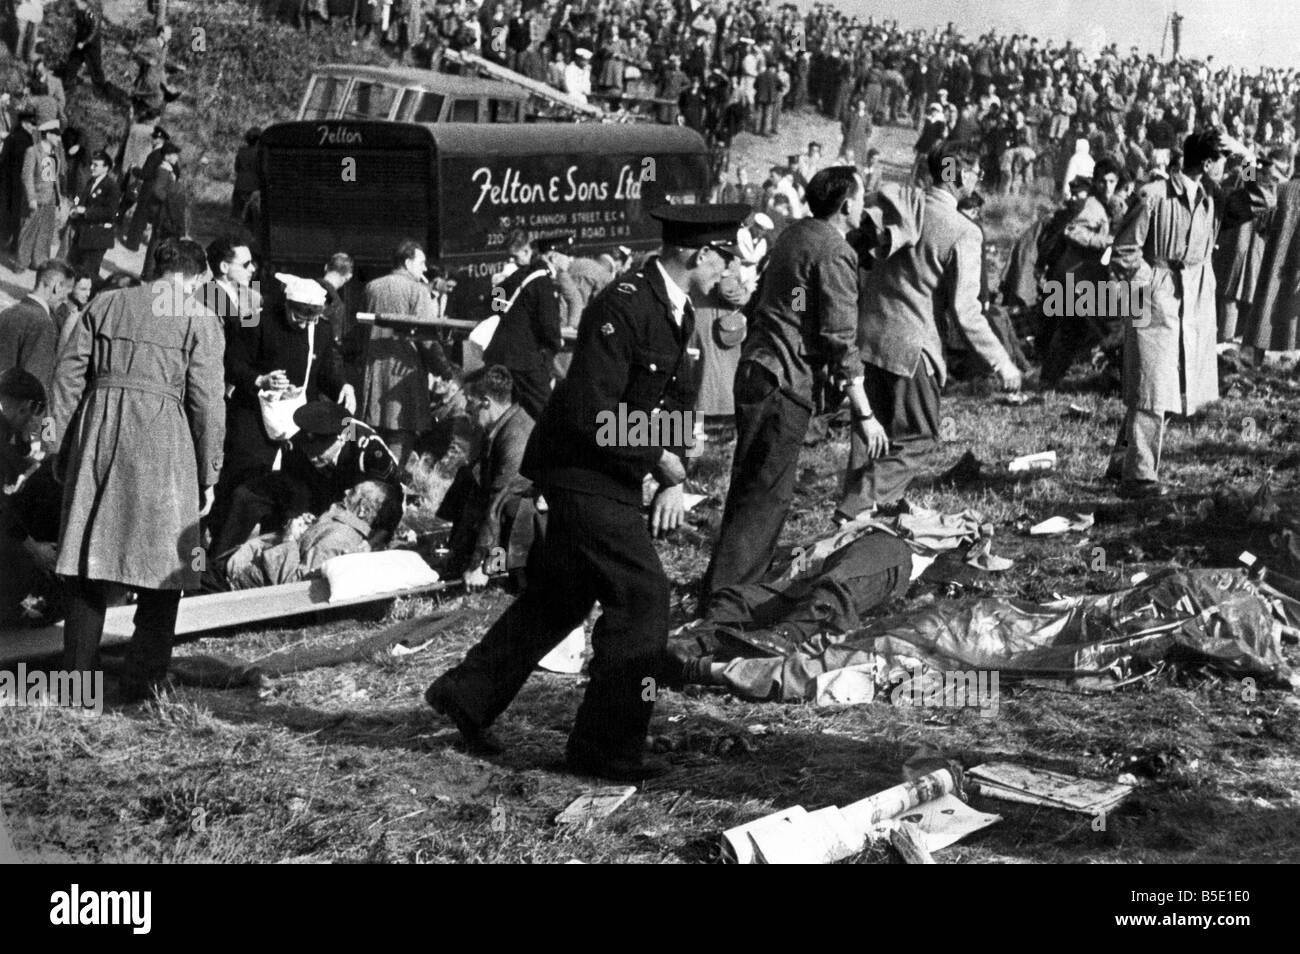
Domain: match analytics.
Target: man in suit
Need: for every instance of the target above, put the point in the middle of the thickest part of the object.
(528, 336)
(343, 299)
(171, 214)
(93, 215)
(229, 293)
(630, 359)
(924, 281)
(767, 96)
(395, 396)
(804, 314)
(29, 335)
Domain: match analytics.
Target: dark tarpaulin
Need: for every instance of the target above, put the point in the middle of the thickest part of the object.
(1211, 617)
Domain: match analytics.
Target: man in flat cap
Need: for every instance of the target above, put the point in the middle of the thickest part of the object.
(528, 336)
(630, 362)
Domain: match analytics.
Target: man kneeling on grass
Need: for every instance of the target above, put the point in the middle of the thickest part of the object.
(363, 521)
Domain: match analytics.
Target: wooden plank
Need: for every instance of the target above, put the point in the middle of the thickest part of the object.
(201, 614)
(544, 90)
(410, 322)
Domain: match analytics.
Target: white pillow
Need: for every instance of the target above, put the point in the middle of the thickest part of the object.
(355, 576)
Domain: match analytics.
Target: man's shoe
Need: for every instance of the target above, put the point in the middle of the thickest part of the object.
(1142, 489)
(477, 739)
(615, 768)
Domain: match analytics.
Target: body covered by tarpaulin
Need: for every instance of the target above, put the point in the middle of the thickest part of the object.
(1213, 617)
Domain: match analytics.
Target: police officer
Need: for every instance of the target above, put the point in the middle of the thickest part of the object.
(630, 359)
(528, 336)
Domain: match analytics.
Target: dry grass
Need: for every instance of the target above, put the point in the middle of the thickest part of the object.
(346, 763)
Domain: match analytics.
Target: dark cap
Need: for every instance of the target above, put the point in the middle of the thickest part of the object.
(703, 226)
(319, 425)
(22, 385)
(559, 242)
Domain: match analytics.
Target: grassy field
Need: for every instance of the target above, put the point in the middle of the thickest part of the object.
(346, 764)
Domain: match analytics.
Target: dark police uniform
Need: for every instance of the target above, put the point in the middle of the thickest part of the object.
(630, 351)
(528, 336)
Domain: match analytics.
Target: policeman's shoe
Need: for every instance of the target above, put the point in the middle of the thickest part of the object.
(476, 738)
(586, 760)
(1142, 489)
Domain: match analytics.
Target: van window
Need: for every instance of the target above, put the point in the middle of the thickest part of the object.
(430, 108)
(325, 97)
(464, 111)
(370, 101)
(503, 111)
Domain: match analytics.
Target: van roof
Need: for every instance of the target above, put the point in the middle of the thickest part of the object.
(424, 79)
(468, 139)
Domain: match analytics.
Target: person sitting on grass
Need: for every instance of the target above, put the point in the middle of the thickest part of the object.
(484, 501)
(364, 521)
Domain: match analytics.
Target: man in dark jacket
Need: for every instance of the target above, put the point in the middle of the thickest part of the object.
(528, 337)
(29, 335)
(87, 46)
(485, 496)
(145, 202)
(170, 219)
(229, 293)
(630, 360)
(12, 155)
(804, 313)
(93, 215)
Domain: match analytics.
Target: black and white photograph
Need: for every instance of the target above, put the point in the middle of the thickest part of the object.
(650, 432)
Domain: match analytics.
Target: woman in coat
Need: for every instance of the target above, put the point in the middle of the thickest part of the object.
(287, 348)
(42, 175)
(137, 409)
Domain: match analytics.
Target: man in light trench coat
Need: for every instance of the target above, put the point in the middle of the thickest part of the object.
(1170, 364)
(138, 416)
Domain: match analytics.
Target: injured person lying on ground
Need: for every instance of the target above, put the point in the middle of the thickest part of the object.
(779, 640)
(364, 521)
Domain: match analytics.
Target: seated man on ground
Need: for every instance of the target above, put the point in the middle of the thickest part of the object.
(364, 521)
(486, 500)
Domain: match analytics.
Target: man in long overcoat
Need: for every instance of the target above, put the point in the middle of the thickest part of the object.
(1170, 363)
(138, 419)
(396, 391)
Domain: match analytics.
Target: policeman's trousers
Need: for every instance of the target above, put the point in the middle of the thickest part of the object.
(594, 549)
